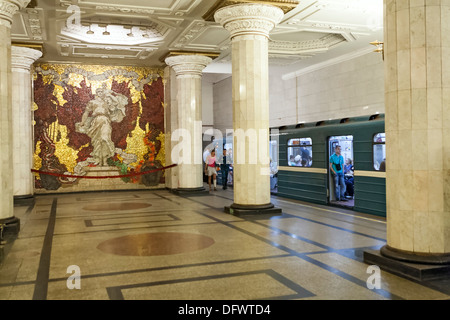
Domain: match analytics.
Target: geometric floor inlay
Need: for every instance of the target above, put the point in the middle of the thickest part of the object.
(156, 244)
(116, 206)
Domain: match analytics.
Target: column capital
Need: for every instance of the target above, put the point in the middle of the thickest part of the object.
(249, 19)
(188, 65)
(22, 57)
(8, 8)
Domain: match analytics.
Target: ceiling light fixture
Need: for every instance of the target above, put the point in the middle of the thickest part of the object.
(144, 32)
(89, 31)
(380, 47)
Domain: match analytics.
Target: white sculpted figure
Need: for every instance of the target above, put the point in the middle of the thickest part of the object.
(107, 106)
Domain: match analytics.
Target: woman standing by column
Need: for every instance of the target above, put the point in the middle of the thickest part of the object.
(210, 169)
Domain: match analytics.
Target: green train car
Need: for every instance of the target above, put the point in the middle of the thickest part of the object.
(303, 162)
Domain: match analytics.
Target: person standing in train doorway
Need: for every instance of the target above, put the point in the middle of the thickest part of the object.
(337, 169)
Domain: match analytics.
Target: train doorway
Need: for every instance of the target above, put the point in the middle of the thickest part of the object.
(344, 195)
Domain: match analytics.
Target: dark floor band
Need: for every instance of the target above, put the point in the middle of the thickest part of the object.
(41, 285)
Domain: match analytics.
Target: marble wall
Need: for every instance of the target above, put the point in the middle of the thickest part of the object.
(347, 89)
(207, 103)
(223, 105)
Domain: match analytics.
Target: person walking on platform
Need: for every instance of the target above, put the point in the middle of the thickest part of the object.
(225, 168)
(210, 169)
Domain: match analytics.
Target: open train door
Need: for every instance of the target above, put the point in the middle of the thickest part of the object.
(346, 143)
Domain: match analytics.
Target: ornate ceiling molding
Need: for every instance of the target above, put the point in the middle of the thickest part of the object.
(285, 5)
(307, 28)
(35, 23)
(29, 25)
(177, 7)
(133, 35)
(83, 50)
(249, 19)
(22, 57)
(8, 8)
(201, 36)
(125, 9)
(317, 45)
(191, 65)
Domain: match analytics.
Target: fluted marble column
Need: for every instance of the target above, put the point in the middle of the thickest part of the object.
(249, 26)
(188, 134)
(7, 9)
(22, 59)
(171, 124)
(417, 77)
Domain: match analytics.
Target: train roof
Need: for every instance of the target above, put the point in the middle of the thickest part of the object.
(333, 122)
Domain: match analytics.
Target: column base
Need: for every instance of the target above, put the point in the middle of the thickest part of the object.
(24, 200)
(253, 210)
(11, 226)
(414, 266)
(190, 192)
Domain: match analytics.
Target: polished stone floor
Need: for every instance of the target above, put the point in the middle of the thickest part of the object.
(159, 246)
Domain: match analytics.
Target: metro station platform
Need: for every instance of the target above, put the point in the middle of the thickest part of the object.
(155, 245)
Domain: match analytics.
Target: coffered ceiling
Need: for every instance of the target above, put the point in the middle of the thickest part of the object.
(143, 32)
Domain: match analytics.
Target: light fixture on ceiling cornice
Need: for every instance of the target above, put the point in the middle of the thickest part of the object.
(130, 33)
(380, 47)
(89, 31)
(145, 33)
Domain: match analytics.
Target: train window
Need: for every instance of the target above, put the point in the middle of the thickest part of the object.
(300, 152)
(379, 152)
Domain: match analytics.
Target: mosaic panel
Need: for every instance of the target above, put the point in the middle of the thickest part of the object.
(94, 119)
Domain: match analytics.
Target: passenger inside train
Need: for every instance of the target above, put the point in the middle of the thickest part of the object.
(346, 144)
(300, 152)
(349, 170)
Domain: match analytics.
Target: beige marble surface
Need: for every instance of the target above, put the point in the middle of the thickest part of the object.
(249, 26)
(6, 131)
(7, 11)
(186, 137)
(22, 60)
(171, 123)
(418, 181)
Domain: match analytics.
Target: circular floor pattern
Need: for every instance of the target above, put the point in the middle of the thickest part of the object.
(116, 206)
(156, 244)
